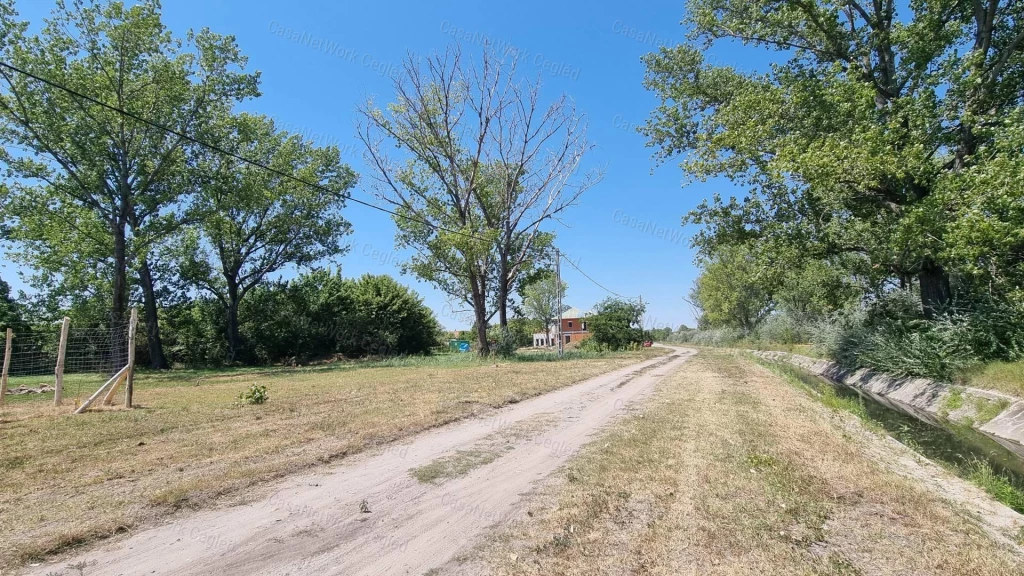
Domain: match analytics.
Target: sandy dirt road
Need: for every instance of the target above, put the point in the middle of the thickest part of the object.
(371, 515)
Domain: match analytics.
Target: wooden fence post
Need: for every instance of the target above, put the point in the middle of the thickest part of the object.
(7, 366)
(113, 380)
(129, 386)
(58, 389)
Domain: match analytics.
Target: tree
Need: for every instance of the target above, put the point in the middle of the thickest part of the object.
(484, 165)
(846, 141)
(615, 323)
(733, 290)
(252, 222)
(10, 311)
(101, 181)
(541, 301)
(390, 319)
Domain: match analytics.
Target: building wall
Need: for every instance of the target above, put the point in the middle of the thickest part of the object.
(573, 332)
(574, 324)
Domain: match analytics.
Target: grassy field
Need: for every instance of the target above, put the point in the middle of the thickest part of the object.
(730, 470)
(70, 479)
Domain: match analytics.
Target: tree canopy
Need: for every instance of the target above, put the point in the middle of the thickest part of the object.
(91, 185)
(251, 223)
(872, 136)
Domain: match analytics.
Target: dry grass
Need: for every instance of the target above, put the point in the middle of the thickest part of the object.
(1006, 377)
(731, 471)
(70, 479)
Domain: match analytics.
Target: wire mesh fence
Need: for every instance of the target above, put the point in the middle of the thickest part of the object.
(92, 355)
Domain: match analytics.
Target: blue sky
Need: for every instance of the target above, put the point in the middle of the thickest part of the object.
(626, 232)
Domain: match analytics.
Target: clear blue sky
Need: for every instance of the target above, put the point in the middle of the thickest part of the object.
(315, 93)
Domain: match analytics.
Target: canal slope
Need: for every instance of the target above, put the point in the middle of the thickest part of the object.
(994, 414)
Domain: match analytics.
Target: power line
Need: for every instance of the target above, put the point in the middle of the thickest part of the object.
(260, 165)
(220, 150)
(598, 284)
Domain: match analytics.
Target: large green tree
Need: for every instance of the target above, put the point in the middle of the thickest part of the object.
(252, 222)
(734, 290)
(93, 185)
(846, 142)
(482, 164)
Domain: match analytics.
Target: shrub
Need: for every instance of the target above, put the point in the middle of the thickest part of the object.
(388, 319)
(255, 394)
(782, 328)
(615, 324)
(711, 337)
(892, 335)
(505, 344)
(591, 345)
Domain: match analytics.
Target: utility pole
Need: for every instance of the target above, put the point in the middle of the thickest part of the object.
(643, 337)
(558, 291)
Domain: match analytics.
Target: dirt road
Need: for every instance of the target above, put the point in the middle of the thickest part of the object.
(403, 510)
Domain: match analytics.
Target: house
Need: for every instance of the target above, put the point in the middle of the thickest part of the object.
(574, 330)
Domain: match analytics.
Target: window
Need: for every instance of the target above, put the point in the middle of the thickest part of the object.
(570, 323)
(584, 326)
(567, 338)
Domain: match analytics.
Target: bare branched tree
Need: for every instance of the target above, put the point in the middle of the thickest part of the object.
(475, 163)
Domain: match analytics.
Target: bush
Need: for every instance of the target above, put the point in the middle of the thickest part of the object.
(505, 344)
(316, 315)
(388, 319)
(782, 328)
(591, 345)
(255, 394)
(712, 338)
(615, 324)
(194, 334)
(893, 336)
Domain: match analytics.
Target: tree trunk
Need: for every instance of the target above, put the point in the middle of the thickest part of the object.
(119, 302)
(234, 340)
(935, 289)
(503, 306)
(480, 312)
(157, 360)
(503, 285)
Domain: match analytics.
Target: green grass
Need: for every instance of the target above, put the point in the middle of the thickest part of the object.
(1002, 488)
(827, 395)
(1006, 377)
(986, 410)
(954, 401)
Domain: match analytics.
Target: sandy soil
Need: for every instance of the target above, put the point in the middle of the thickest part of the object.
(371, 516)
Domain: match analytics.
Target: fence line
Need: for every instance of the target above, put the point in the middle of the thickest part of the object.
(62, 351)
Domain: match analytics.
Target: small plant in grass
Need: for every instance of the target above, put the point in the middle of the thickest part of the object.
(955, 400)
(989, 409)
(255, 395)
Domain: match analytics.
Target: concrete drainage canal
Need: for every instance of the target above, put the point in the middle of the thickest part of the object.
(965, 451)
